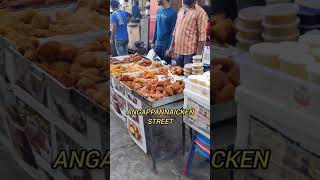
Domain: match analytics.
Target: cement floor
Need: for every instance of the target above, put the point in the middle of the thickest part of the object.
(9, 169)
(128, 161)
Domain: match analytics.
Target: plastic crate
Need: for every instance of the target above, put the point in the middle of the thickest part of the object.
(278, 86)
(196, 88)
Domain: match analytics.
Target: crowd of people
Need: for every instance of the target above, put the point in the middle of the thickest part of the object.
(179, 35)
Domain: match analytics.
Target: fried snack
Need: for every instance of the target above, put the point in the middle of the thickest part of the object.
(49, 51)
(30, 55)
(87, 59)
(219, 79)
(145, 62)
(26, 16)
(101, 63)
(169, 90)
(90, 92)
(226, 94)
(40, 21)
(68, 52)
(76, 68)
(40, 33)
(93, 46)
(226, 63)
(60, 67)
(93, 71)
(61, 14)
(86, 83)
(234, 75)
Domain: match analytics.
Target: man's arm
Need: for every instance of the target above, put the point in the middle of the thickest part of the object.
(172, 28)
(114, 28)
(202, 31)
(155, 33)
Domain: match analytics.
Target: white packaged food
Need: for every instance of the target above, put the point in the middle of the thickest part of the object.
(266, 54)
(313, 70)
(295, 64)
(284, 13)
(251, 17)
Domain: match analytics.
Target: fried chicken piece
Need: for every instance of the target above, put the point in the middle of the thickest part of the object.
(49, 51)
(60, 67)
(68, 52)
(40, 21)
(86, 83)
(87, 59)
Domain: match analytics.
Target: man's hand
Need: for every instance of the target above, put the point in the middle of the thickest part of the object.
(152, 46)
(169, 52)
(111, 42)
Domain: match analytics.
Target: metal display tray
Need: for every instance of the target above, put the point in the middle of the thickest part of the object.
(25, 74)
(154, 104)
(90, 107)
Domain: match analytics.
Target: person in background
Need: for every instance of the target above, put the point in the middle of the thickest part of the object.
(165, 23)
(136, 10)
(126, 6)
(147, 8)
(119, 34)
(190, 33)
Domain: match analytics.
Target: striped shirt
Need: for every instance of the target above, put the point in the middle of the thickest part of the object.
(191, 27)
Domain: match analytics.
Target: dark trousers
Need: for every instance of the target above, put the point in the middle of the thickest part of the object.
(184, 59)
(161, 52)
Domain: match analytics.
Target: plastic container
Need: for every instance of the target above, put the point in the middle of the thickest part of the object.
(266, 54)
(188, 67)
(197, 58)
(314, 73)
(245, 44)
(194, 78)
(293, 46)
(279, 87)
(197, 66)
(251, 17)
(312, 40)
(281, 30)
(247, 33)
(295, 64)
(316, 54)
(277, 14)
(197, 73)
(197, 88)
(292, 37)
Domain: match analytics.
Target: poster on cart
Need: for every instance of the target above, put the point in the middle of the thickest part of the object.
(64, 142)
(135, 127)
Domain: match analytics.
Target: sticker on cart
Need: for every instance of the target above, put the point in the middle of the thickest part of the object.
(39, 135)
(120, 88)
(70, 114)
(137, 135)
(301, 96)
(134, 117)
(66, 143)
(122, 104)
(135, 101)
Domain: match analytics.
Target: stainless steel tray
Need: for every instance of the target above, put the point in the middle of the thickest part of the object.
(153, 104)
(88, 106)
